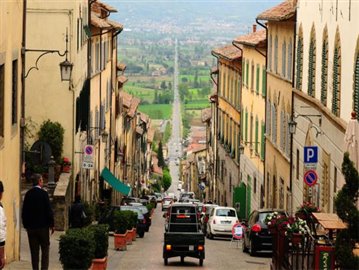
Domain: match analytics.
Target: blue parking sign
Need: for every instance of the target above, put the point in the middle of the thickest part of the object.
(310, 154)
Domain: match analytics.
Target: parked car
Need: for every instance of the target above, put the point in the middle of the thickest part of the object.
(183, 237)
(256, 235)
(206, 210)
(186, 195)
(166, 202)
(159, 197)
(127, 199)
(221, 221)
(145, 213)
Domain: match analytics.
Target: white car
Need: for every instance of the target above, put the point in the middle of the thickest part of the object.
(221, 221)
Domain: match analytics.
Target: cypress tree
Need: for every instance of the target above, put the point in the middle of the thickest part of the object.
(345, 203)
(161, 161)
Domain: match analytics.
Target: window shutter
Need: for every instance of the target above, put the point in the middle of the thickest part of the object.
(246, 126)
(256, 137)
(282, 141)
(270, 53)
(311, 70)
(288, 141)
(284, 59)
(299, 64)
(290, 56)
(264, 82)
(356, 87)
(324, 79)
(268, 118)
(262, 141)
(102, 117)
(243, 68)
(257, 80)
(335, 105)
(247, 73)
(276, 54)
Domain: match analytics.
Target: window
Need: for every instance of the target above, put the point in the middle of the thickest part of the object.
(252, 77)
(263, 142)
(243, 69)
(256, 137)
(268, 118)
(276, 54)
(251, 132)
(255, 184)
(356, 86)
(299, 69)
(246, 125)
(312, 65)
(282, 131)
(97, 55)
(14, 92)
(2, 99)
(288, 140)
(284, 59)
(270, 52)
(336, 78)
(257, 79)
(247, 73)
(264, 81)
(324, 77)
(290, 56)
(274, 124)
(297, 167)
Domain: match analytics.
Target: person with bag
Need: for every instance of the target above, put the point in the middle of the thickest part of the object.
(38, 220)
(2, 229)
(77, 213)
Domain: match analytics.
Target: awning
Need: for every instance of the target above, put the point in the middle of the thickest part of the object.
(114, 182)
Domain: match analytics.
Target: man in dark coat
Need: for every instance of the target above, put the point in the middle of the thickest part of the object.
(38, 220)
(77, 213)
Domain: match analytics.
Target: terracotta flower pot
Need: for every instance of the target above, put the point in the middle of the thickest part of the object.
(134, 234)
(296, 239)
(99, 264)
(120, 241)
(66, 168)
(129, 237)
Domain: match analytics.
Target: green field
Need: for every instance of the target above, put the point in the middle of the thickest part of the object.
(147, 94)
(157, 111)
(197, 104)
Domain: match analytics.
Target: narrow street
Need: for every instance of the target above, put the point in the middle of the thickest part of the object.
(146, 253)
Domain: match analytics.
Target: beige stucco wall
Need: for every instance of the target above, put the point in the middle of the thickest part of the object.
(279, 94)
(11, 14)
(251, 164)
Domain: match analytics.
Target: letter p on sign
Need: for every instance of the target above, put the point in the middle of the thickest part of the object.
(310, 154)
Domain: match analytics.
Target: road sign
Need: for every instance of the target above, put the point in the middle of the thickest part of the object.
(237, 231)
(310, 177)
(88, 157)
(310, 154)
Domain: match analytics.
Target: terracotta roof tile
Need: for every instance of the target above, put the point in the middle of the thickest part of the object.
(150, 135)
(199, 148)
(98, 22)
(282, 12)
(144, 117)
(257, 38)
(106, 6)
(126, 99)
(122, 79)
(133, 108)
(229, 51)
(139, 130)
(121, 66)
(206, 114)
(115, 25)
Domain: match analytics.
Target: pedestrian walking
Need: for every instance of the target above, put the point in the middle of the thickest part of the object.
(2, 229)
(38, 220)
(77, 213)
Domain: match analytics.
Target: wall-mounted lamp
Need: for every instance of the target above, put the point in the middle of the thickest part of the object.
(65, 66)
(104, 134)
(293, 124)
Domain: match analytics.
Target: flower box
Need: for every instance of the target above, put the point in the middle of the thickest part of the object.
(120, 241)
(99, 264)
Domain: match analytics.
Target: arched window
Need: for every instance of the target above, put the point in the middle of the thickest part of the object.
(284, 59)
(290, 56)
(356, 83)
(312, 64)
(324, 77)
(336, 77)
(270, 52)
(276, 54)
(299, 67)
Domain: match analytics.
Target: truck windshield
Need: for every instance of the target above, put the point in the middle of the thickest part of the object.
(183, 219)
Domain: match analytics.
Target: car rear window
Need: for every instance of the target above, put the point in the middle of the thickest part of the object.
(262, 217)
(225, 213)
(183, 215)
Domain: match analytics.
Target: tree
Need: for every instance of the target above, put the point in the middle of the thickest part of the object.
(163, 85)
(345, 203)
(166, 179)
(161, 161)
(53, 134)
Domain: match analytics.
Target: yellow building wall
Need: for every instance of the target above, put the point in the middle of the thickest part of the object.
(11, 14)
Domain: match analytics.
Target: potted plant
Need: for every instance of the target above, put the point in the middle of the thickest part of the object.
(270, 220)
(296, 230)
(100, 233)
(130, 226)
(306, 209)
(77, 249)
(66, 165)
(134, 219)
(120, 234)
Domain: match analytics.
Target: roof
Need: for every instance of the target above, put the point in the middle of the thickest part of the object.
(199, 148)
(144, 117)
(257, 38)
(126, 99)
(139, 130)
(282, 12)
(122, 79)
(206, 114)
(106, 6)
(229, 52)
(121, 66)
(133, 108)
(115, 25)
(98, 22)
(150, 135)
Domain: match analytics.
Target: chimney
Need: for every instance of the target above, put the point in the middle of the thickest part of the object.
(254, 28)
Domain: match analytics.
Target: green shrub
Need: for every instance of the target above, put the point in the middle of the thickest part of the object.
(120, 221)
(90, 212)
(131, 218)
(77, 248)
(150, 206)
(100, 232)
(53, 134)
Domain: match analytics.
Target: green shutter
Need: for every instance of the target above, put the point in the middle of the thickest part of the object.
(264, 82)
(243, 68)
(323, 96)
(256, 137)
(299, 64)
(257, 80)
(335, 106)
(311, 70)
(356, 87)
(246, 126)
(247, 73)
(262, 141)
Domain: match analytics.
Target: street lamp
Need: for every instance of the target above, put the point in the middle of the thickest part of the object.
(293, 124)
(65, 66)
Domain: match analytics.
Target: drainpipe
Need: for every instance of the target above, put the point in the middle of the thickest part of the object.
(265, 117)
(22, 120)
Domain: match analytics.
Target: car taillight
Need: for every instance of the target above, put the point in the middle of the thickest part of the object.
(200, 248)
(168, 247)
(256, 228)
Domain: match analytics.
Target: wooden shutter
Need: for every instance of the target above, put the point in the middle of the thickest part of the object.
(264, 82)
(256, 137)
(299, 64)
(247, 73)
(324, 78)
(257, 80)
(311, 70)
(335, 104)
(268, 118)
(284, 59)
(356, 87)
(246, 126)
(276, 54)
(290, 56)
(262, 141)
